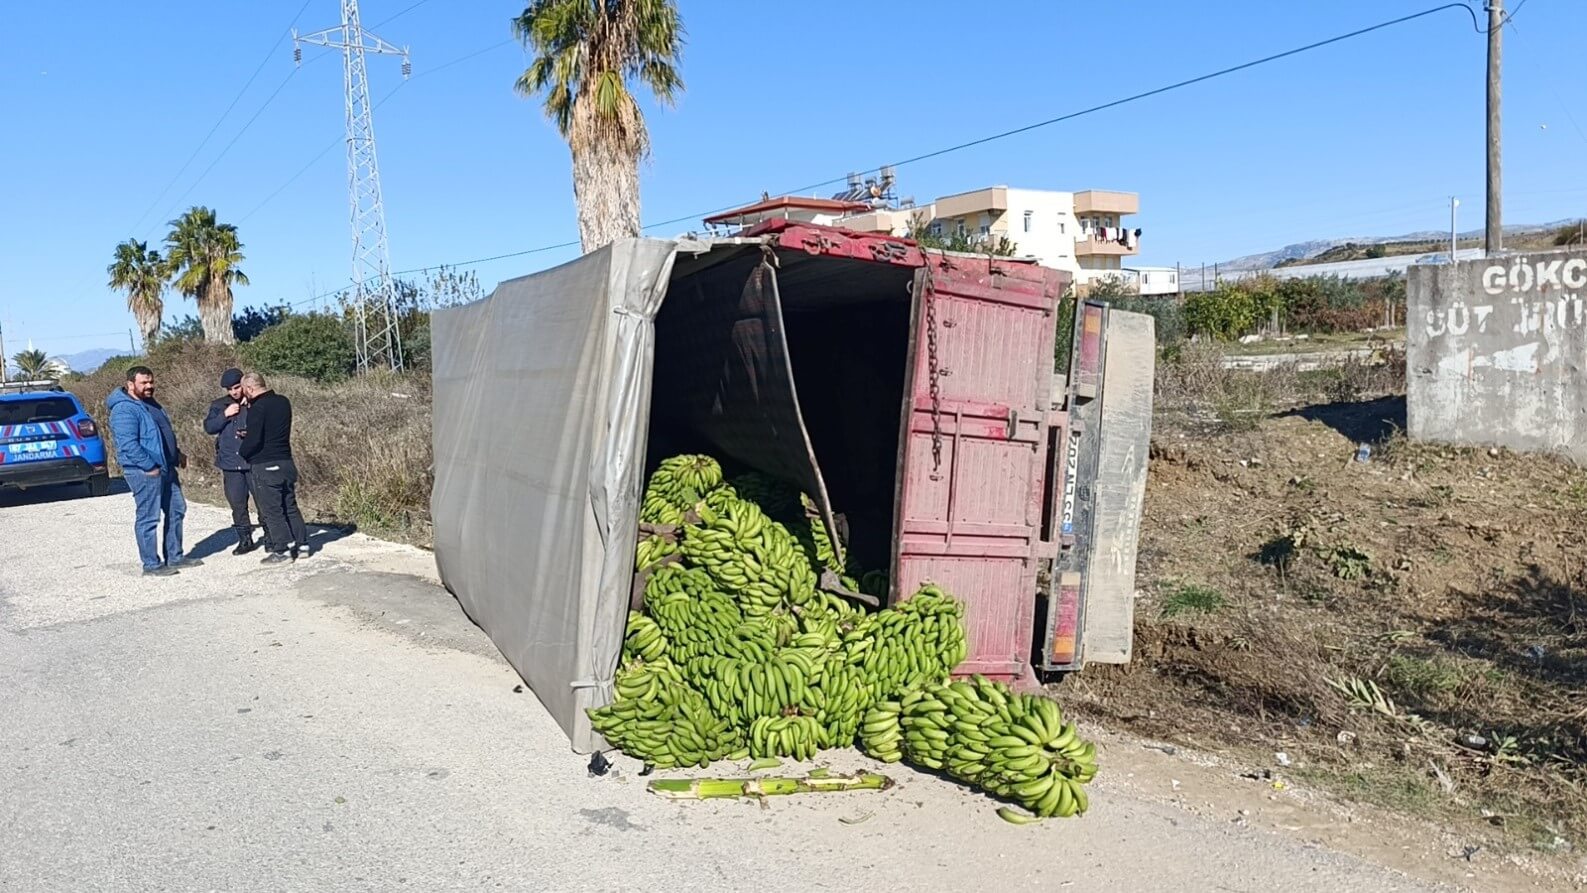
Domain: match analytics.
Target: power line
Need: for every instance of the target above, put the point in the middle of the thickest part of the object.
(218, 121)
(194, 185)
(339, 141)
(994, 137)
(1555, 93)
(384, 22)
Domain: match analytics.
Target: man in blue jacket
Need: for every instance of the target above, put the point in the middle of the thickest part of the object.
(146, 449)
(227, 419)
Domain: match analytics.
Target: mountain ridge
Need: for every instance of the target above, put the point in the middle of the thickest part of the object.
(1268, 260)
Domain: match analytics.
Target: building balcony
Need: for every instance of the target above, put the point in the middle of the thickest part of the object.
(993, 201)
(1091, 245)
(1098, 201)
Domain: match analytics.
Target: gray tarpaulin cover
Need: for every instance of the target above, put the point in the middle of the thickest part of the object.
(542, 414)
(541, 399)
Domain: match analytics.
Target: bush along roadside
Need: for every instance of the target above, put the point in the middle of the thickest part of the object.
(362, 445)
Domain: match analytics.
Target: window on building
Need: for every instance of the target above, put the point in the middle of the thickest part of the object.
(959, 227)
(1029, 215)
(1060, 227)
(936, 228)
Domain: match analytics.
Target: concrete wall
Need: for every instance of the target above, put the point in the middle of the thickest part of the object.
(1497, 352)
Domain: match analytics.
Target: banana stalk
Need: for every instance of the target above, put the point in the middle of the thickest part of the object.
(721, 788)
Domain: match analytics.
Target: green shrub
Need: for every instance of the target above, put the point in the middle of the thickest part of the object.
(314, 346)
(120, 363)
(1225, 313)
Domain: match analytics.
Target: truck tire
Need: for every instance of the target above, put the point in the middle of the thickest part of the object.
(99, 485)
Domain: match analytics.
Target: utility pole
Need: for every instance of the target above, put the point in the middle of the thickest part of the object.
(377, 339)
(1453, 204)
(1494, 242)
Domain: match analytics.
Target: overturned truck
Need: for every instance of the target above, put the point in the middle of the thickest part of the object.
(911, 393)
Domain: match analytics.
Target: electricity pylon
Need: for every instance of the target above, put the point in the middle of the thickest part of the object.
(378, 340)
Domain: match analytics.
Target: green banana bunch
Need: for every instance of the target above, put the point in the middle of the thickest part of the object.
(794, 736)
(916, 642)
(644, 639)
(813, 536)
(653, 549)
(743, 690)
(677, 484)
(679, 731)
(881, 734)
(1014, 745)
(838, 702)
(748, 554)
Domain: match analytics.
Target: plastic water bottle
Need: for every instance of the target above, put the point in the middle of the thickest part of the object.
(1364, 453)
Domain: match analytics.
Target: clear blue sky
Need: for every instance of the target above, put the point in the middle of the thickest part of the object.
(1366, 137)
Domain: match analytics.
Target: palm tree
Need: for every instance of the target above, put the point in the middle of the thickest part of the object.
(35, 364)
(204, 256)
(586, 52)
(141, 273)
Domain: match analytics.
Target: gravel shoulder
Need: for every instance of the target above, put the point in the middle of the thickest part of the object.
(339, 725)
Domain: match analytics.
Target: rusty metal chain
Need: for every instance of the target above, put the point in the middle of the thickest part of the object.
(933, 370)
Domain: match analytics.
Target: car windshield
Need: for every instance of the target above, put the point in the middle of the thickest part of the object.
(36, 409)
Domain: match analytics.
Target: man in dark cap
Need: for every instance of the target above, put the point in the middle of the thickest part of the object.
(227, 419)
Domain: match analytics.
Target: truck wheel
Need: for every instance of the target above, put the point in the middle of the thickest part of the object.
(99, 485)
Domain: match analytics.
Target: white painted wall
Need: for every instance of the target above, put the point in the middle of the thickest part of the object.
(1050, 236)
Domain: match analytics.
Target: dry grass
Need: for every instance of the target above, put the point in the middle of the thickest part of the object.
(1192, 385)
(362, 447)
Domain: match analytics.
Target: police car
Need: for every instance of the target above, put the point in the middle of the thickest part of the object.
(47, 438)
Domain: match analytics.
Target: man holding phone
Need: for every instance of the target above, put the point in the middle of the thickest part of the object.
(147, 452)
(267, 448)
(226, 420)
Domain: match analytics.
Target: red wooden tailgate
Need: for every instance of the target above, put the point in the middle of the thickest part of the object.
(969, 502)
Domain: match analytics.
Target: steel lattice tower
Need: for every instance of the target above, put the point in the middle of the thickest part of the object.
(378, 340)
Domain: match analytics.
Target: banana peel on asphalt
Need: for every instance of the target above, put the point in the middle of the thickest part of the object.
(771, 786)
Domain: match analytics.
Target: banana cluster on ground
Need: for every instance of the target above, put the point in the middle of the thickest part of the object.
(981, 732)
(918, 641)
(738, 653)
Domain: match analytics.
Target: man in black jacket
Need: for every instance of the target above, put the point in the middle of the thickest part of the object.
(267, 448)
(227, 416)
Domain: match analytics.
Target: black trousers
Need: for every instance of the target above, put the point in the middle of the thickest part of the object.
(239, 485)
(275, 490)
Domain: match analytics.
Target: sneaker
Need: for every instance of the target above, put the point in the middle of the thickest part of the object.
(186, 562)
(244, 547)
(276, 558)
(161, 571)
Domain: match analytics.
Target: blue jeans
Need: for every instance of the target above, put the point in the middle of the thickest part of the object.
(153, 497)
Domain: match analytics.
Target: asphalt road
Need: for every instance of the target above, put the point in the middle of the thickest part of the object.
(338, 725)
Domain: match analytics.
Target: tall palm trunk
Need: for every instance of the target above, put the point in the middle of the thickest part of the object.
(148, 320)
(214, 313)
(605, 187)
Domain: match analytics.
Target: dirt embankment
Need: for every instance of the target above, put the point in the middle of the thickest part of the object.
(1409, 631)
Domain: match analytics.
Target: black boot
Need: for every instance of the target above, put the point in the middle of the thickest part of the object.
(245, 543)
